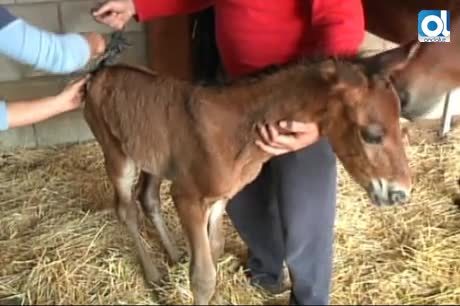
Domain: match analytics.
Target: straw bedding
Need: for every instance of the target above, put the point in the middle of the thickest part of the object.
(60, 244)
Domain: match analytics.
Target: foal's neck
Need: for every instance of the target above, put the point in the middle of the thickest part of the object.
(295, 92)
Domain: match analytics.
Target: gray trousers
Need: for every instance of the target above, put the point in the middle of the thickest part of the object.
(287, 214)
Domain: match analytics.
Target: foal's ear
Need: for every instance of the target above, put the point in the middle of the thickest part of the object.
(345, 80)
(328, 70)
(341, 76)
(394, 59)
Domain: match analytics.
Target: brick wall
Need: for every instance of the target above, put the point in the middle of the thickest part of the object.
(20, 82)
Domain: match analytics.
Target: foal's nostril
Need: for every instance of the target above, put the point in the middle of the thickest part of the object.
(383, 192)
(397, 196)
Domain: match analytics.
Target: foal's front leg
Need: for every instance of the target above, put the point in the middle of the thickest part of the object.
(216, 230)
(194, 217)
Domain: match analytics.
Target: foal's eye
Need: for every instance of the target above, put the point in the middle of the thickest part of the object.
(372, 134)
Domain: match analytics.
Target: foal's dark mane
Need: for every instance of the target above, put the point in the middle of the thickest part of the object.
(118, 43)
(273, 69)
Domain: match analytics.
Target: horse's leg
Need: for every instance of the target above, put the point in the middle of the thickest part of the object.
(151, 205)
(216, 231)
(194, 218)
(122, 173)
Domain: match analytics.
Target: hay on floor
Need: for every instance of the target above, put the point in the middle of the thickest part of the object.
(59, 245)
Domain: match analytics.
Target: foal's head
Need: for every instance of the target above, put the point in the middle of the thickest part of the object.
(363, 123)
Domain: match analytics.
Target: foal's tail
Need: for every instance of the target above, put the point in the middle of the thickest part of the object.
(116, 45)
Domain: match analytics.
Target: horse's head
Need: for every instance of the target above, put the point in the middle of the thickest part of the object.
(434, 70)
(427, 78)
(363, 123)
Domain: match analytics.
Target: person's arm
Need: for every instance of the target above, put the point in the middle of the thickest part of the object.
(338, 26)
(3, 116)
(148, 9)
(117, 13)
(43, 50)
(22, 113)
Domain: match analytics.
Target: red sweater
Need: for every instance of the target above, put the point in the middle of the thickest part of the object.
(252, 34)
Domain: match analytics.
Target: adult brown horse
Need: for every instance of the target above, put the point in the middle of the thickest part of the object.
(435, 69)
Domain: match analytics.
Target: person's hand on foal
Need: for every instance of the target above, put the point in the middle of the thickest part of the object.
(114, 13)
(287, 136)
(70, 97)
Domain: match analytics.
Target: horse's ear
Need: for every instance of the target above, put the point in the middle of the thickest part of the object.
(394, 59)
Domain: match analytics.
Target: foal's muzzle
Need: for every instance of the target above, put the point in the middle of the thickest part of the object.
(383, 192)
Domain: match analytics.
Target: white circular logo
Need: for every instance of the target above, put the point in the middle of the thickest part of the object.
(435, 19)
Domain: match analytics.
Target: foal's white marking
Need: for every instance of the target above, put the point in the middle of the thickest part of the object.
(128, 175)
(216, 212)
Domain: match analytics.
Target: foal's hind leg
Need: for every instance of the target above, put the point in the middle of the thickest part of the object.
(216, 230)
(151, 204)
(122, 173)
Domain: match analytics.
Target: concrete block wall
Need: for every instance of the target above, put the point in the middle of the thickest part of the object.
(19, 82)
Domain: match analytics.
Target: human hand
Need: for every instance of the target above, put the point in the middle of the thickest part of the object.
(96, 42)
(70, 97)
(114, 13)
(287, 136)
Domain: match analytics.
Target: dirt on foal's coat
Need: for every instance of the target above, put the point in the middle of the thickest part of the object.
(202, 138)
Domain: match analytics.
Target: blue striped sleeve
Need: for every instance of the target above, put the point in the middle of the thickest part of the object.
(3, 116)
(43, 50)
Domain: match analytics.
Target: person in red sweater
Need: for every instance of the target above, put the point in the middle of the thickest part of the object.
(288, 212)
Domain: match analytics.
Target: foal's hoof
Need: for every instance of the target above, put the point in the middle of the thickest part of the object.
(457, 201)
(182, 258)
(152, 275)
(218, 299)
(175, 256)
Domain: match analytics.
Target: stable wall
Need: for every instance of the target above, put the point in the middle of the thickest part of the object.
(20, 82)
